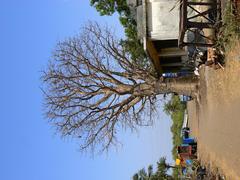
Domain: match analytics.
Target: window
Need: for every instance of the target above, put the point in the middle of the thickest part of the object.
(139, 2)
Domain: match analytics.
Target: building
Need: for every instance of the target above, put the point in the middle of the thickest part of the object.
(158, 30)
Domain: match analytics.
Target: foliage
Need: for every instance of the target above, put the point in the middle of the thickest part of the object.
(172, 106)
(161, 173)
(108, 7)
(132, 43)
(143, 175)
(175, 109)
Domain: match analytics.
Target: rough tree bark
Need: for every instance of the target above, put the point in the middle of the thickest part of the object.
(92, 88)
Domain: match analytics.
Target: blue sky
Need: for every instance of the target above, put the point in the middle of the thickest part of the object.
(30, 149)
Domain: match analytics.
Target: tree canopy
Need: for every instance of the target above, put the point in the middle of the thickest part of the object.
(132, 43)
(108, 7)
(92, 88)
(160, 174)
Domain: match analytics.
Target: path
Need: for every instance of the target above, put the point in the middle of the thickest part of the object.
(215, 121)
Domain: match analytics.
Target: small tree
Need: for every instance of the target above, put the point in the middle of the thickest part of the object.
(143, 175)
(162, 169)
(173, 105)
(160, 174)
(93, 88)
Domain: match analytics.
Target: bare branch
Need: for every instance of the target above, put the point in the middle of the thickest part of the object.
(92, 88)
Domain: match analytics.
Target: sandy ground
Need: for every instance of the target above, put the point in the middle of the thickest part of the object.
(215, 119)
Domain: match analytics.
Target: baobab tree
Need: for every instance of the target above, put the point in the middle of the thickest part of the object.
(92, 88)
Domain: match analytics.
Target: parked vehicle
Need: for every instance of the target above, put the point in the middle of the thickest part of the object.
(185, 129)
(185, 132)
(187, 151)
(185, 99)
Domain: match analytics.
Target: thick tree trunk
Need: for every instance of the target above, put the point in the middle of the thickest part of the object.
(182, 86)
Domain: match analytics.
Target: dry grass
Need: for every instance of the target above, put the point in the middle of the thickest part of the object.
(230, 30)
(223, 97)
(233, 53)
(226, 83)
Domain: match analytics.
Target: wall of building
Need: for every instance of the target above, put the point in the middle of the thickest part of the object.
(162, 19)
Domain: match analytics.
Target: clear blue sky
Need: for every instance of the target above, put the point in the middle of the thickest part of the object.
(29, 149)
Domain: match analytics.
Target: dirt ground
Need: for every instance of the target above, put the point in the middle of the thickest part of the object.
(214, 117)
